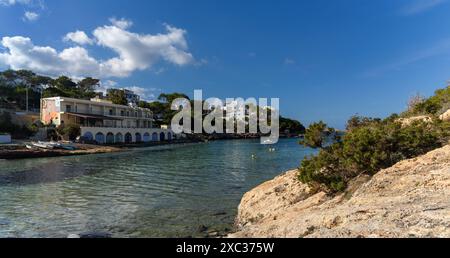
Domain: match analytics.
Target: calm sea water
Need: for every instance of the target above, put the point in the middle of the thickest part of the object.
(168, 191)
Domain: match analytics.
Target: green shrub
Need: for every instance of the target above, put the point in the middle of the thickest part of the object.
(434, 105)
(317, 134)
(368, 148)
(69, 131)
(373, 144)
(16, 131)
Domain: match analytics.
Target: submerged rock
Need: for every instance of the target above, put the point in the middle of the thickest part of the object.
(221, 213)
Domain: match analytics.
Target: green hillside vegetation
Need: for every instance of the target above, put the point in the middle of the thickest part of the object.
(435, 105)
(13, 86)
(373, 144)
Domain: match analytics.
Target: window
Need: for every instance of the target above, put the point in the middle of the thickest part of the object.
(68, 108)
(110, 112)
(122, 113)
(128, 113)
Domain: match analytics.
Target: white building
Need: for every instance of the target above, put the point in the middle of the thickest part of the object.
(104, 121)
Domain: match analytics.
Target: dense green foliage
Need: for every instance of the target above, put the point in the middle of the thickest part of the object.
(16, 131)
(69, 131)
(435, 105)
(15, 98)
(117, 96)
(293, 126)
(317, 134)
(161, 108)
(371, 145)
(14, 84)
(64, 86)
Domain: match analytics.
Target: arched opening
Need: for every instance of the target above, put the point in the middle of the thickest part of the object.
(119, 138)
(162, 137)
(100, 138)
(128, 138)
(110, 138)
(138, 137)
(154, 137)
(88, 136)
(146, 137)
(169, 136)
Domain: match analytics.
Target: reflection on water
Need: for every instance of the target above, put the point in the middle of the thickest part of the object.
(165, 191)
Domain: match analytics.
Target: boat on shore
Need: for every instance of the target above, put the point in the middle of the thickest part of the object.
(67, 147)
(50, 145)
(42, 145)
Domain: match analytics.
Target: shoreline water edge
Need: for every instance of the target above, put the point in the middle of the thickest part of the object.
(20, 151)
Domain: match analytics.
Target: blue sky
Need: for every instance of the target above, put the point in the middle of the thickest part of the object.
(325, 60)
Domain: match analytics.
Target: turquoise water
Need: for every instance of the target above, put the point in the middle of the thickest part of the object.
(168, 191)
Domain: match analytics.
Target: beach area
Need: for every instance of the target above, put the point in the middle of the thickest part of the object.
(18, 150)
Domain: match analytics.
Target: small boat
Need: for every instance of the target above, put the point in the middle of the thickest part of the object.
(42, 145)
(268, 141)
(52, 143)
(29, 146)
(67, 147)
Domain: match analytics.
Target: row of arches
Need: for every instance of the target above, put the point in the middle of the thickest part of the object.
(110, 138)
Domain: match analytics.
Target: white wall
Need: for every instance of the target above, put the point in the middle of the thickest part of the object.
(123, 131)
(5, 138)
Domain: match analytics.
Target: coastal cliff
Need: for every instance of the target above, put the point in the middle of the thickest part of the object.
(409, 199)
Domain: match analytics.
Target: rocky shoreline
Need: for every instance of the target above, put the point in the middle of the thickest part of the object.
(409, 199)
(19, 151)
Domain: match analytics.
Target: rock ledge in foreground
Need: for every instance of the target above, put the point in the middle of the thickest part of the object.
(409, 199)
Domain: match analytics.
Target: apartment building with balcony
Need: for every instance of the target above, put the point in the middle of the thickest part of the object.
(103, 121)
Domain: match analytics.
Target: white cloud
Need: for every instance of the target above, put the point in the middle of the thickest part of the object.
(23, 54)
(147, 94)
(134, 52)
(30, 16)
(440, 48)
(289, 61)
(420, 6)
(160, 70)
(141, 51)
(13, 2)
(122, 23)
(105, 85)
(78, 37)
(201, 62)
